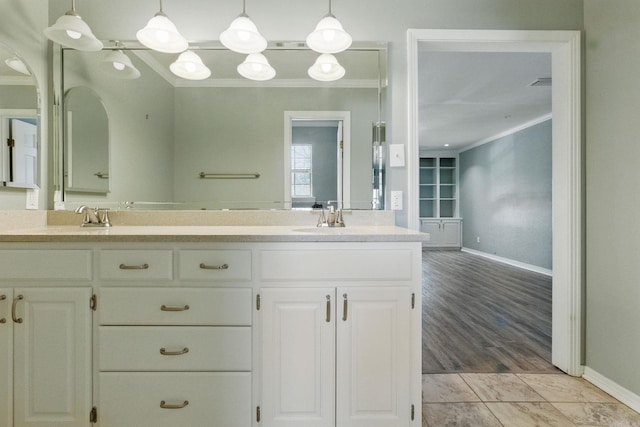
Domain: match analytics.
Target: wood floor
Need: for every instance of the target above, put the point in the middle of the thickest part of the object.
(483, 316)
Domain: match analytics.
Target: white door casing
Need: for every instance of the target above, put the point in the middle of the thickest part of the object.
(564, 47)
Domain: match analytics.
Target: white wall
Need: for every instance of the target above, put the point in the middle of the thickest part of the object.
(613, 197)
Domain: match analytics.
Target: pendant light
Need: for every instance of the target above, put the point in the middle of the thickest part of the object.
(160, 34)
(190, 66)
(329, 36)
(256, 67)
(117, 64)
(326, 68)
(16, 64)
(71, 31)
(242, 36)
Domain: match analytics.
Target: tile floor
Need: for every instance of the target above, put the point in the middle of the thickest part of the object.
(519, 400)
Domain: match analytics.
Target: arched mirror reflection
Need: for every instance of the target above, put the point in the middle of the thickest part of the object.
(219, 142)
(86, 137)
(19, 133)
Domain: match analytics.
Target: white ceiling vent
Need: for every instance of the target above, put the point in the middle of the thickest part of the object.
(541, 81)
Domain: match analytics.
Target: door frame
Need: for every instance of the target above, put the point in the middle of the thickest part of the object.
(344, 154)
(564, 47)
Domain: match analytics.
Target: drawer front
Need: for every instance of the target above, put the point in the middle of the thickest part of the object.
(316, 264)
(136, 265)
(133, 399)
(175, 306)
(215, 265)
(175, 348)
(59, 264)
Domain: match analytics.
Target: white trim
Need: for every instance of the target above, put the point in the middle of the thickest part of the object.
(508, 132)
(344, 172)
(624, 395)
(564, 47)
(508, 261)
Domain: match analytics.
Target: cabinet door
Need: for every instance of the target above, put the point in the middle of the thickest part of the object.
(373, 358)
(433, 228)
(450, 235)
(298, 357)
(6, 358)
(52, 357)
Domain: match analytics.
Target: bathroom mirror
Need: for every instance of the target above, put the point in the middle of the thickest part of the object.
(219, 143)
(86, 142)
(19, 132)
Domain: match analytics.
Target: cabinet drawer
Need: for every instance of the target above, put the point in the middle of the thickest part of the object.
(215, 265)
(316, 264)
(175, 306)
(136, 265)
(133, 399)
(67, 264)
(175, 348)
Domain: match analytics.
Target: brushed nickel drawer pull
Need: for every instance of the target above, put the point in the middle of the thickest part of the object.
(328, 308)
(165, 405)
(144, 266)
(166, 308)
(214, 267)
(2, 298)
(13, 309)
(345, 307)
(164, 352)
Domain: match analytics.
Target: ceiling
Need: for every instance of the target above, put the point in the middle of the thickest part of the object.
(467, 98)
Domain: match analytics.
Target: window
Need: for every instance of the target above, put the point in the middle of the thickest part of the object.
(301, 161)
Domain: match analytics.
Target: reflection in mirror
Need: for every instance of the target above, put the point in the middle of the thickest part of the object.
(18, 122)
(86, 142)
(166, 131)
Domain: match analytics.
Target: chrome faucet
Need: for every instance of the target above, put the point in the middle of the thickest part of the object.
(95, 217)
(334, 218)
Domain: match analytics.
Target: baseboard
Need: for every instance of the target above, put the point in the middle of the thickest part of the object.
(511, 262)
(625, 396)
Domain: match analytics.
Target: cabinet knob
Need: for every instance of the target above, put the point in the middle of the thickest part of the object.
(169, 308)
(2, 298)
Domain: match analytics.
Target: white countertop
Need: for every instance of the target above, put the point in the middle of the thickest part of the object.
(195, 233)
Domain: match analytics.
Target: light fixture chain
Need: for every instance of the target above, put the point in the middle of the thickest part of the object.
(161, 11)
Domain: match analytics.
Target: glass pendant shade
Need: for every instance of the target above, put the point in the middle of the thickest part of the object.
(256, 67)
(117, 64)
(329, 36)
(17, 65)
(160, 34)
(190, 66)
(242, 36)
(71, 31)
(326, 69)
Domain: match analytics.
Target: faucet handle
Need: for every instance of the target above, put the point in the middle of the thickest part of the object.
(322, 220)
(103, 217)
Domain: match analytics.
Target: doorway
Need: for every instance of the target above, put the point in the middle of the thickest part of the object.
(320, 141)
(564, 47)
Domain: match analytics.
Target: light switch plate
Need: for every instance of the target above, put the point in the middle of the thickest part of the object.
(32, 198)
(396, 155)
(396, 200)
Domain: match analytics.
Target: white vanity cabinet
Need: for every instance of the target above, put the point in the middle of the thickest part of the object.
(246, 332)
(339, 352)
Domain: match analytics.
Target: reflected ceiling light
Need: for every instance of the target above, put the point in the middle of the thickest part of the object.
(117, 64)
(160, 34)
(242, 36)
(329, 36)
(326, 69)
(190, 66)
(71, 31)
(16, 64)
(256, 67)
